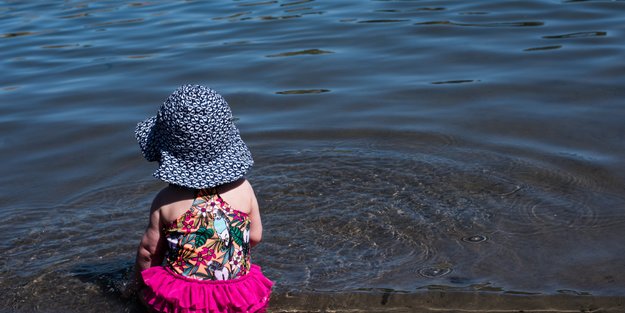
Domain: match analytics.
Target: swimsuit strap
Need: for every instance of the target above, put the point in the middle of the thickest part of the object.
(206, 192)
(211, 193)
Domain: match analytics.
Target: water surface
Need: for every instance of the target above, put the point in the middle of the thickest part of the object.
(404, 149)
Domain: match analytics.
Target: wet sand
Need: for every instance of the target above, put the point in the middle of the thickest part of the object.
(438, 301)
(63, 300)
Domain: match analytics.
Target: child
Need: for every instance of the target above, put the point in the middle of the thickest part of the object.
(195, 253)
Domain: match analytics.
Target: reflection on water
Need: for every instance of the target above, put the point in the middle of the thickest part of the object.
(406, 152)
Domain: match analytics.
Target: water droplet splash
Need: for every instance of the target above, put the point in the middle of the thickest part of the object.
(475, 238)
(434, 272)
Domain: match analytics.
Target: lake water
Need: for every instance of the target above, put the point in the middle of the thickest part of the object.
(410, 155)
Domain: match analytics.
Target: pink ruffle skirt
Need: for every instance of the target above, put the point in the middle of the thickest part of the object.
(170, 292)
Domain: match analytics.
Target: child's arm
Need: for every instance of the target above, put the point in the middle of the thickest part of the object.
(150, 251)
(256, 225)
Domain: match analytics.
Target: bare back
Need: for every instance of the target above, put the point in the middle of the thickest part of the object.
(173, 201)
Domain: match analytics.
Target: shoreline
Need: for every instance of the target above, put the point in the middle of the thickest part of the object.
(441, 301)
(59, 293)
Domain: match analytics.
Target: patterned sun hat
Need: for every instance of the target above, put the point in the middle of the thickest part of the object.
(194, 140)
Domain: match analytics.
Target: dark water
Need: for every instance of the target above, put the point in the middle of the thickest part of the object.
(410, 155)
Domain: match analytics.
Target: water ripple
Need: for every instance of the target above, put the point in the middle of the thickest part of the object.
(232, 16)
(295, 3)
(17, 34)
(458, 81)
(498, 24)
(302, 91)
(475, 238)
(577, 35)
(302, 52)
(434, 272)
(250, 4)
(554, 47)
(475, 142)
(382, 21)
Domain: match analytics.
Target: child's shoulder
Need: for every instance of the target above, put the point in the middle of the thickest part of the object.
(239, 194)
(172, 201)
(241, 185)
(173, 194)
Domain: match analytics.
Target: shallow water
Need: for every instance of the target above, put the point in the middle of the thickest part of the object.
(401, 147)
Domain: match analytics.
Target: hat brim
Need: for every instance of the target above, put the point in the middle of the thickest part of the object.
(145, 134)
(228, 166)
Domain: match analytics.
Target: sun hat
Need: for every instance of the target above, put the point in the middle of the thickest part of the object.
(194, 140)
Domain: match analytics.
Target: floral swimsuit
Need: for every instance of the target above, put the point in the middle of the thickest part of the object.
(210, 241)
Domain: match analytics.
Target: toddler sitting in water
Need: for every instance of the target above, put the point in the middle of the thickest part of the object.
(195, 253)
